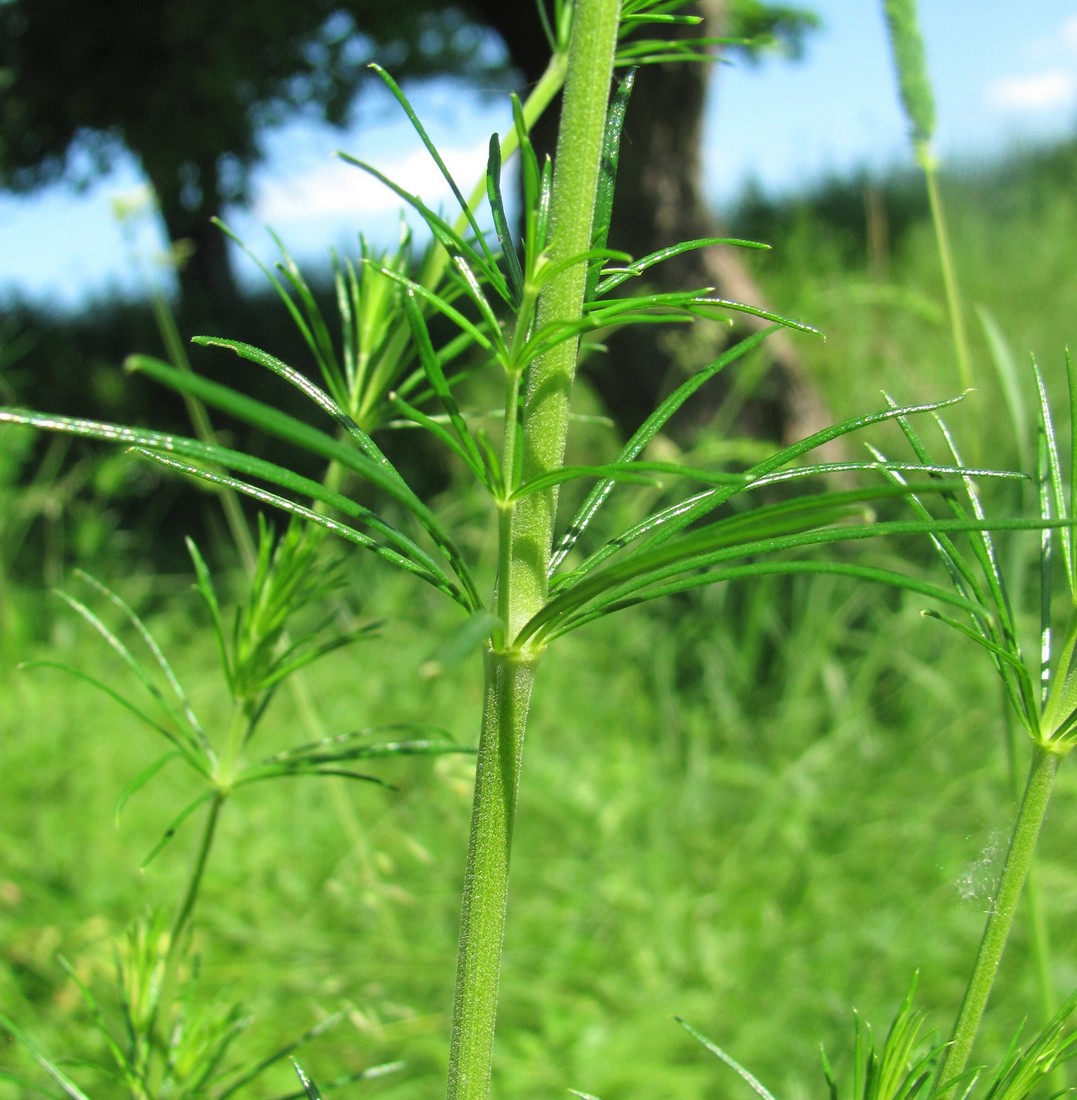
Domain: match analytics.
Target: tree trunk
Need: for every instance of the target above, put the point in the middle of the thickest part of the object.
(188, 199)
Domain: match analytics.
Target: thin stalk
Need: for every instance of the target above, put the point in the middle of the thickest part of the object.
(1003, 910)
(1039, 940)
(186, 908)
(509, 680)
(194, 883)
(946, 262)
(203, 427)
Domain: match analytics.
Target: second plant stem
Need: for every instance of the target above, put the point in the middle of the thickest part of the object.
(526, 532)
(1019, 857)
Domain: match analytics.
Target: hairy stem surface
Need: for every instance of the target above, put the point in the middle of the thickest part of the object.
(486, 885)
(526, 537)
(549, 380)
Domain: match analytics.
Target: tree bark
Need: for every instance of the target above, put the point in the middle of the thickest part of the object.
(201, 255)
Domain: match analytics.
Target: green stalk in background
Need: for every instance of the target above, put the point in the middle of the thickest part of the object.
(1019, 859)
(526, 536)
(1043, 698)
(918, 103)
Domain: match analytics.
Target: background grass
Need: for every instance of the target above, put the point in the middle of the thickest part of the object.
(755, 809)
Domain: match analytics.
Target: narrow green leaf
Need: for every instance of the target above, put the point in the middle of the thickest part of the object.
(1009, 378)
(142, 779)
(321, 344)
(206, 589)
(133, 1078)
(436, 428)
(159, 657)
(474, 289)
(982, 543)
(429, 359)
(70, 1089)
(607, 178)
(694, 303)
(443, 233)
(614, 277)
(422, 565)
(308, 1085)
(275, 423)
(169, 834)
(664, 525)
(307, 771)
(491, 342)
(362, 745)
(1071, 389)
(707, 548)
(190, 750)
(501, 221)
(468, 639)
(296, 314)
(872, 574)
(643, 435)
(635, 473)
(318, 396)
(1052, 475)
(756, 1086)
(431, 148)
(187, 728)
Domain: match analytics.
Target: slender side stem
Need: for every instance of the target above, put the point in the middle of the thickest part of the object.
(1018, 860)
(203, 427)
(946, 261)
(194, 884)
(509, 680)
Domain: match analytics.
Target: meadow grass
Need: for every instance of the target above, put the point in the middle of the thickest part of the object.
(811, 825)
(886, 308)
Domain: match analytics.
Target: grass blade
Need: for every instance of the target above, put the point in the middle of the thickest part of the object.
(756, 1086)
(70, 1089)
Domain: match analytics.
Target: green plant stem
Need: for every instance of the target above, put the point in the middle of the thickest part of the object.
(1003, 910)
(194, 883)
(509, 680)
(549, 383)
(946, 261)
(526, 545)
(203, 427)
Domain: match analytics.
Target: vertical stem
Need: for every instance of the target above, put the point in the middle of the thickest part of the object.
(482, 924)
(1018, 860)
(949, 271)
(526, 544)
(549, 380)
(194, 884)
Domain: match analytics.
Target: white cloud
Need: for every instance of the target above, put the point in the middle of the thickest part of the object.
(340, 190)
(1069, 34)
(1043, 91)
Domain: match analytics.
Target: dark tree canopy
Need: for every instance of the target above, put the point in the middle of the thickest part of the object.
(189, 87)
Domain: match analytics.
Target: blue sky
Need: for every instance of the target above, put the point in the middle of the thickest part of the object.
(1001, 77)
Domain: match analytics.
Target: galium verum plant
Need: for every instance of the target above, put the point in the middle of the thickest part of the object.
(523, 306)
